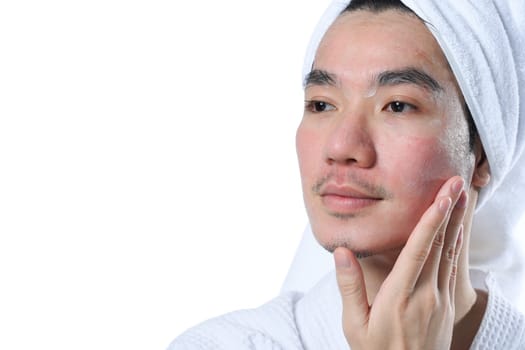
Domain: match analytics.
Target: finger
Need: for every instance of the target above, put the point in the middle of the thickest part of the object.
(413, 257)
(454, 268)
(352, 289)
(443, 245)
(448, 254)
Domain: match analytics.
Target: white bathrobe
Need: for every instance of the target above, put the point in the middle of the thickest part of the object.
(312, 321)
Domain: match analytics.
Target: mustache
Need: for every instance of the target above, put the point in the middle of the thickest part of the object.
(374, 190)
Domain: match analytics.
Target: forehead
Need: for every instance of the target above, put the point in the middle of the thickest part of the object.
(363, 43)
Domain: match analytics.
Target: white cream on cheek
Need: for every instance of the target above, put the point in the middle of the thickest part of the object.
(456, 135)
(431, 161)
(426, 166)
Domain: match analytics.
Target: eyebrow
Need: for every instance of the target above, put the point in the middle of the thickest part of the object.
(320, 77)
(408, 75)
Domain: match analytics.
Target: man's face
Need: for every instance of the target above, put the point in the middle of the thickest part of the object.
(383, 129)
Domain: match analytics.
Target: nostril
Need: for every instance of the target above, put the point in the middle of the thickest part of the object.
(350, 161)
(363, 156)
(350, 142)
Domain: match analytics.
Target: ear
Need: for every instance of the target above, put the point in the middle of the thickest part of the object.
(481, 175)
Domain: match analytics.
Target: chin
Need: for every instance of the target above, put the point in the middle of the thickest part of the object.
(362, 246)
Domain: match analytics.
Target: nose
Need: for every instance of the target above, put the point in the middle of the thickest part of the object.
(350, 142)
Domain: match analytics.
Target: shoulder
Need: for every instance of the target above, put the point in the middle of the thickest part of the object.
(271, 326)
(503, 325)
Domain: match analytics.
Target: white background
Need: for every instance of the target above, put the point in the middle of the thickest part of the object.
(148, 177)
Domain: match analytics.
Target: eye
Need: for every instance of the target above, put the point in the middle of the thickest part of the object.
(318, 106)
(400, 107)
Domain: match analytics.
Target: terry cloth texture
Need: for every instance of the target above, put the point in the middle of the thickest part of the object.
(313, 321)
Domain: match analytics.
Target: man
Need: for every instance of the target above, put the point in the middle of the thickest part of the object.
(392, 169)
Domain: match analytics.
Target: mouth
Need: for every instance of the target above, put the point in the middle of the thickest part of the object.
(346, 200)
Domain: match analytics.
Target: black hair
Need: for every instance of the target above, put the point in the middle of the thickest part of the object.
(377, 6)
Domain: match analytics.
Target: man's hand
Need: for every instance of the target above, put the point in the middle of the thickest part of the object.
(414, 308)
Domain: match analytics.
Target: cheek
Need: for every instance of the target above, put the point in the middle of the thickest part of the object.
(307, 143)
(417, 168)
(421, 166)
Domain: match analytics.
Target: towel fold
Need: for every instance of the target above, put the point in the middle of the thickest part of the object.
(484, 42)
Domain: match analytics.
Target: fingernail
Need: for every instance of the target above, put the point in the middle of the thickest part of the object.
(444, 204)
(458, 186)
(341, 259)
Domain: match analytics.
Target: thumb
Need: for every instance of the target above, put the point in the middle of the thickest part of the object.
(352, 288)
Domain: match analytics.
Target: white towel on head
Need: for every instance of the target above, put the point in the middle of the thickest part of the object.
(484, 42)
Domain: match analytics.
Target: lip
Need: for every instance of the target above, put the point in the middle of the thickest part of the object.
(346, 200)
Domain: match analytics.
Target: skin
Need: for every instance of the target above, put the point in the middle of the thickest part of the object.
(383, 164)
